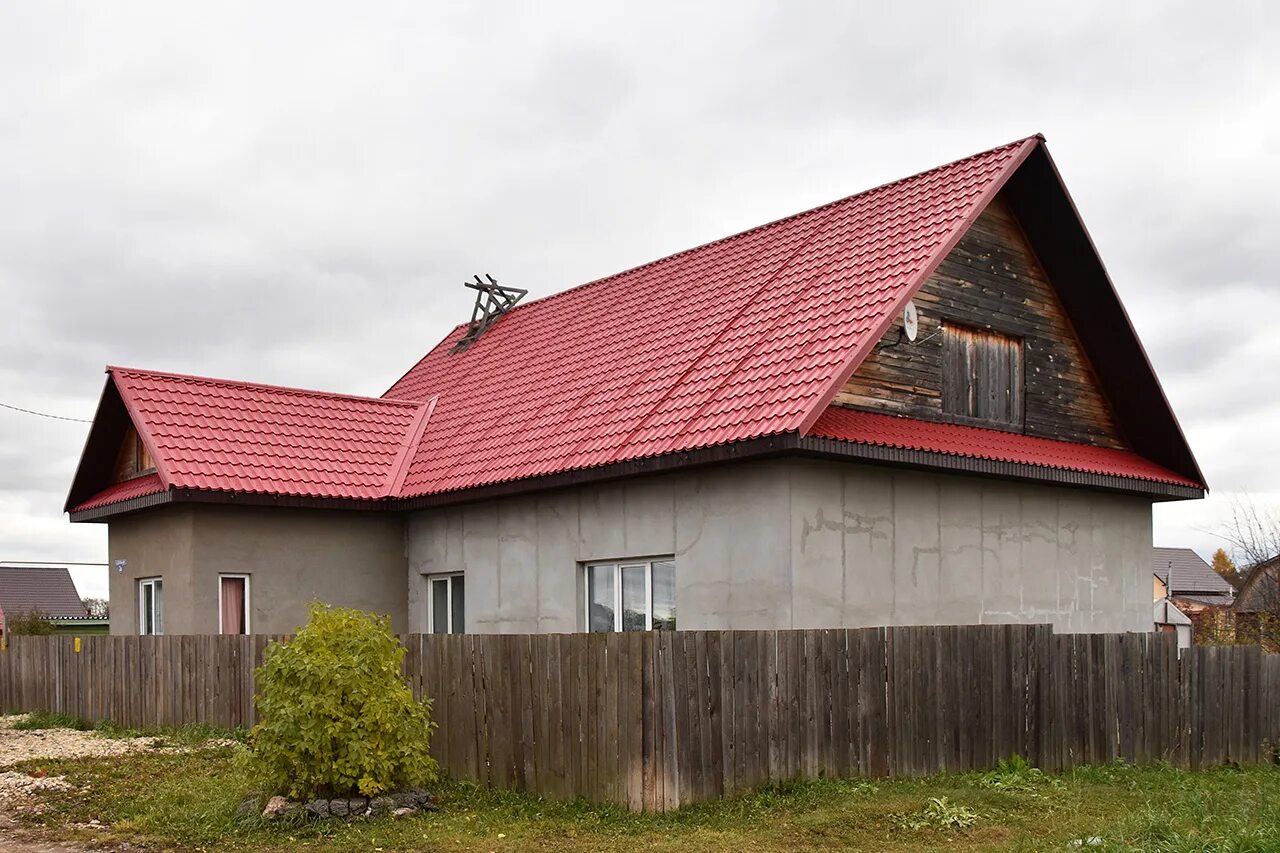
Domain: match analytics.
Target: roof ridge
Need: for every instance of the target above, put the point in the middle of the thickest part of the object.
(265, 386)
(770, 224)
(755, 229)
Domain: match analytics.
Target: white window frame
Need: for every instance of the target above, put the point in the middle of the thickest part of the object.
(618, 565)
(152, 582)
(248, 627)
(448, 596)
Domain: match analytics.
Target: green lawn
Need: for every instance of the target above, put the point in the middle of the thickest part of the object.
(187, 801)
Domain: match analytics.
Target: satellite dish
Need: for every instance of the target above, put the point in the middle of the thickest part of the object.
(910, 320)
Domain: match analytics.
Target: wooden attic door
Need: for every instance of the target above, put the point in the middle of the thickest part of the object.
(982, 376)
(132, 459)
(995, 347)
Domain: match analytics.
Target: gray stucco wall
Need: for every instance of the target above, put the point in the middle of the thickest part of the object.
(292, 556)
(799, 544)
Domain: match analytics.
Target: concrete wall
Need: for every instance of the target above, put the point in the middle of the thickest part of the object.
(800, 544)
(292, 556)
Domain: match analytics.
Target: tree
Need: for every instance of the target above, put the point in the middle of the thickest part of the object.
(97, 608)
(1253, 532)
(1223, 565)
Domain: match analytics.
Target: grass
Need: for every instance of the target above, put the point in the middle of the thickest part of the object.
(190, 735)
(187, 801)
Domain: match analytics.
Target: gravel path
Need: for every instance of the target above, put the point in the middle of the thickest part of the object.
(18, 746)
(19, 793)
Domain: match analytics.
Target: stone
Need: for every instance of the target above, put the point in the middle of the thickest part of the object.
(381, 805)
(338, 808)
(318, 808)
(276, 806)
(357, 805)
(404, 811)
(249, 807)
(422, 798)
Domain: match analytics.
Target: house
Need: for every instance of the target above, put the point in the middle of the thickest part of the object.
(920, 404)
(1182, 576)
(48, 591)
(1260, 592)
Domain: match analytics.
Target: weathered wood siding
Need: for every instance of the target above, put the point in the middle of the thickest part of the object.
(991, 280)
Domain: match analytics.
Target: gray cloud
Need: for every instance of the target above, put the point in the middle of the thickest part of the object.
(294, 192)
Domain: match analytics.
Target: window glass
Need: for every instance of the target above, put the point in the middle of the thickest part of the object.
(150, 607)
(234, 603)
(600, 598)
(634, 606)
(664, 595)
(634, 596)
(457, 597)
(440, 606)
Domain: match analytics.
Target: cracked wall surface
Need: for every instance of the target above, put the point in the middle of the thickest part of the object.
(796, 543)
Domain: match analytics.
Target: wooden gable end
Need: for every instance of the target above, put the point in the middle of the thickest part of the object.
(990, 283)
(132, 459)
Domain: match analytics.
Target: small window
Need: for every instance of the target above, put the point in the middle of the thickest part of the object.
(446, 603)
(134, 459)
(981, 376)
(150, 606)
(636, 595)
(233, 604)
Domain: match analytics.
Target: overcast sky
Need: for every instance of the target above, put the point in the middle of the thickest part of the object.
(294, 192)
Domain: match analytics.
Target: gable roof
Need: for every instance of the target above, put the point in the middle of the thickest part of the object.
(745, 337)
(734, 347)
(1182, 570)
(221, 435)
(47, 589)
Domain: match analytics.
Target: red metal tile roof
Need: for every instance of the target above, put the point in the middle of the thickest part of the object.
(138, 487)
(975, 443)
(746, 337)
(236, 436)
(741, 338)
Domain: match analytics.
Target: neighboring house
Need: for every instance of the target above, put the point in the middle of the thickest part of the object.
(920, 404)
(1185, 578)
(49, 591)
(1260, 592)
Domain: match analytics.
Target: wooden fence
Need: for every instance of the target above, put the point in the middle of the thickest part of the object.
(659, 720)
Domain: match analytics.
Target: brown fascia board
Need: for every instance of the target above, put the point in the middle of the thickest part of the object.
(1049, 218)
(786, 444)
(97, 457)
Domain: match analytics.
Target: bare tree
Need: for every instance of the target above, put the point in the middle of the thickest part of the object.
(1253, 532)
(97, 608)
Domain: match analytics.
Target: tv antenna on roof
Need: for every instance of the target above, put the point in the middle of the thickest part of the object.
(492, 301)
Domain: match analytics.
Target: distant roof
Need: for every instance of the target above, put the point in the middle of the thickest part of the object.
(1183, 571)
(47, 589)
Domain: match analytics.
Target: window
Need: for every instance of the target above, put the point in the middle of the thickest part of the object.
(150, 606)
(233, 604)
(133, 460)
(981, 376)
(446, 604)
(637, 595)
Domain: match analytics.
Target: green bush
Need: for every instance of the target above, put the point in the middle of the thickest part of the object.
(35, 623)
(335, 715)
